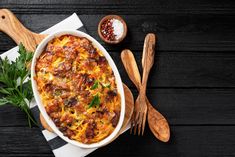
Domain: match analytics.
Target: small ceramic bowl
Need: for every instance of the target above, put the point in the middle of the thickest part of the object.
(41, 107)
(112, 17)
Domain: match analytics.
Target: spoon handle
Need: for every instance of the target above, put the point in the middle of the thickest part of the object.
(147, 63)
(130, 65)
(148, 57)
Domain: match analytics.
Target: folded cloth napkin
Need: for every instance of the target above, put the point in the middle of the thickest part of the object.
(59, 147)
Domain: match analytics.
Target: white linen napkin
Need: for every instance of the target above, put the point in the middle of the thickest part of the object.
(59, 147)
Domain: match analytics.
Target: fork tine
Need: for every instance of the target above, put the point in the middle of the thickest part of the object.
(140, 123)
(136, 122)
(132, 122)
(143, 122)
(131, 129)
(135, 126)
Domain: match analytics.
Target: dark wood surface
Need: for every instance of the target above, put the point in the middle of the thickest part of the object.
(192, 82)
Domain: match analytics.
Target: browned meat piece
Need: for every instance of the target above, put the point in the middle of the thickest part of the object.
(69, 133)
(101, 113)
(79, 108)
(56, 121)
(90, 81)
(53, 107)
(111, 94)
(115, 119)
(90, 63)
(90, 131)
(102, 60)
(70, 102)
(63, 129)
(80, 81)
(56, 118)
(63, 68)
(48, 87)
(86, 44)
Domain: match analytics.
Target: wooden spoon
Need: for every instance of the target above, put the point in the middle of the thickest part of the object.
(147, 63)
(10, 25)
(157, 122)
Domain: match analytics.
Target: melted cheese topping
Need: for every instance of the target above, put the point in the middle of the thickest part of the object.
(78, 89)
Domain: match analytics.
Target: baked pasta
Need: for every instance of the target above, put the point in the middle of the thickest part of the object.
(78, 89)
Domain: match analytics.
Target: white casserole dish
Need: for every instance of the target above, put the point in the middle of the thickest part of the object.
(38, 52)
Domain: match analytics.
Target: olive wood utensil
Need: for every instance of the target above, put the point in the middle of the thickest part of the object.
(10, 25)
(156, 121)
(147, 63)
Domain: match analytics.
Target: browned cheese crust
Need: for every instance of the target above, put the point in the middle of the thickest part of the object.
(78, 89)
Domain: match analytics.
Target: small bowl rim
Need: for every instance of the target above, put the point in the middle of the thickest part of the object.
(41, 107)
(124, 27)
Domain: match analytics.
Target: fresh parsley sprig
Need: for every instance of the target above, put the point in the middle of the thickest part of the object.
(15, 84)
(95, 85)
(95, 101)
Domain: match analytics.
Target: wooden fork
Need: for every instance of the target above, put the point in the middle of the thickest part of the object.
(140, 111)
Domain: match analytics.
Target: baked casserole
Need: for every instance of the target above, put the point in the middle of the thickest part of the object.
(78, 89)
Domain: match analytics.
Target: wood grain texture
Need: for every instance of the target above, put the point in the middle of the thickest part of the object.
(191, 83)
(176, 32)
(12, 27)
(186, 141)
(136, 7)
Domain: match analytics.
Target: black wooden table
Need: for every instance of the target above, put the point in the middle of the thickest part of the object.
(192, 82)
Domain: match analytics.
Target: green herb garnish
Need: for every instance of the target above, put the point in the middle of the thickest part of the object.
(95, 101)
(95, 85)
(15, 82)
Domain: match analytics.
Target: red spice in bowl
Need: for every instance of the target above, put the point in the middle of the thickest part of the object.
(112, 29)
(107, 30)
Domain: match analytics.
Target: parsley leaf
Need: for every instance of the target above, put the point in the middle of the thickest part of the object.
(95, 85)
(15, 82)
(95, 101)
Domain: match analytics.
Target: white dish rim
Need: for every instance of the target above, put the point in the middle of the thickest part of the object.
(38, 52)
